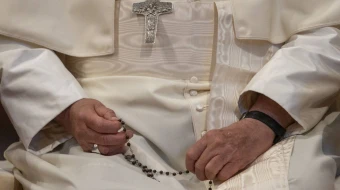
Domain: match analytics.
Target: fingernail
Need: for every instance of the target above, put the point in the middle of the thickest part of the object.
(114, 119)
(125, 149)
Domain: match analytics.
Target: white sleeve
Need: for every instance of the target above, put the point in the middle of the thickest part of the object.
(35, 87)
(303, 77)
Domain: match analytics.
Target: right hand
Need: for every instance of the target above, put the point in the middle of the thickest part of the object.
(90, 122)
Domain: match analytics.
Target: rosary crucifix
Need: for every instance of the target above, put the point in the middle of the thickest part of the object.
(151, 9)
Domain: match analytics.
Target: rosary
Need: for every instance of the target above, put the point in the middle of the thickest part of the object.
(131, 158)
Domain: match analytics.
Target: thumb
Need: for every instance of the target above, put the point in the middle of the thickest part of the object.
(105, 112)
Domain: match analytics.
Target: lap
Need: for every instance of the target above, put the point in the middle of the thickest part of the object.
(267, 172)
(308, 161)
(70, 167)
(294, 163)
(315, 160)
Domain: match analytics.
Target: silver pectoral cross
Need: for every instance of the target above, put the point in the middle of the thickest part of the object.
(151, 9)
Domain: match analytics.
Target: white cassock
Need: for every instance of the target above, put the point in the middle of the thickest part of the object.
(205, 69)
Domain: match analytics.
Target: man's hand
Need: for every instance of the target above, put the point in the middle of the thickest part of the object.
(221, 153)
(90, 122)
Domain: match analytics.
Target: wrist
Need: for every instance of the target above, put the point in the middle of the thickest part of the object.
(272, 109)
(258, 129)
(62, 117)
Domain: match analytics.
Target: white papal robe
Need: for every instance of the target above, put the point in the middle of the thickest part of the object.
(196, 77)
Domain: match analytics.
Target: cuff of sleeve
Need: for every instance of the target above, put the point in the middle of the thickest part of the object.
(250, 95)
(52, 134)
(48, 138)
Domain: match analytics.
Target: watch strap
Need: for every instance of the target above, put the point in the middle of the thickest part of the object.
(269, 121)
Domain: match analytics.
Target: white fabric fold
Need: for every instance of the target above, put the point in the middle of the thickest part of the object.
(237, 61)
(22, 90)
(277, 20)
(303, 77)
(315, 159)
(77, 27)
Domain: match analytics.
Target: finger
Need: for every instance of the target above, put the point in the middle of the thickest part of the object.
(194, 153)
(87, 147)
(128, 134)
(108, 139)
(121, 150)
(111, 150)
(101, 125)
(202, 162)
(228, 170)
(213, 167)
(104, 112)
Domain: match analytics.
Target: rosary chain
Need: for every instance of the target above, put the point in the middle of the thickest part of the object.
(131, 158)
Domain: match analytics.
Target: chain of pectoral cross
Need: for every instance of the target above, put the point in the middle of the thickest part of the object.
(146, 169)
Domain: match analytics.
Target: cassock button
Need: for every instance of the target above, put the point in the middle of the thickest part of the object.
(194, 79)
(199, 108)
(193, 93)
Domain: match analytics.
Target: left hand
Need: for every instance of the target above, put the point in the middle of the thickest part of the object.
(221, 153)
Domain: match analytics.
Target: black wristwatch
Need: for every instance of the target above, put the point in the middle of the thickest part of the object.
(267, 120)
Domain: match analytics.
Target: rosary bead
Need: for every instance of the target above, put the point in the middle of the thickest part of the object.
(210, 188)
(124, 129)
(210, 182)
(123, 123)
(120, 120)
(128, 157)
(149, 172)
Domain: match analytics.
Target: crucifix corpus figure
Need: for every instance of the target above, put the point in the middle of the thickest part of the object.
(151, 9)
